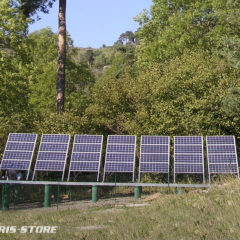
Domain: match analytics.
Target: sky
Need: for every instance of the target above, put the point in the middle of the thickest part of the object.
(92, 23)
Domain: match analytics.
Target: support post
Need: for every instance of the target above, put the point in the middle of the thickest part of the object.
(16, 193)
(70, 193)
(137, 192)
(94, 194)
(47, 196)
(179, 191)
(5, 196)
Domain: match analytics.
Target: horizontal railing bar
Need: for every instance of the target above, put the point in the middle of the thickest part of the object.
(110, 184)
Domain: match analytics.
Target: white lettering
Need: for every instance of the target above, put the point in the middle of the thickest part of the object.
(24, 229)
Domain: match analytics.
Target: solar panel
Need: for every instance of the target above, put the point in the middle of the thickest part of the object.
(188, 155)
(86, 154)
(222, 155)
(154, 155)
(52, 153)
(120, 154)
(19, 151)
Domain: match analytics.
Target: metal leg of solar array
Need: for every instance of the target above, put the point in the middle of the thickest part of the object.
(133, 177)
(63, 175)
(139, 177)
(204, 181)
(98, 176)
(33, 175)
(68, 176)
(103, 175)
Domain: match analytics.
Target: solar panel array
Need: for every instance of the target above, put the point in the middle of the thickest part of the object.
(52, 153)
(188, 155)
(154, 154)
(86, 154)
(120, 154)
(19, 151)
(222, 155)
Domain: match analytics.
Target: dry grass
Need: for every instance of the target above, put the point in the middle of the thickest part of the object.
(196, 214)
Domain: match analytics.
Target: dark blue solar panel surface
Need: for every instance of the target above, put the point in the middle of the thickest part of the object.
(13, 146)
(188, 168)
(154, 148)
(55, 138)
(221, 140)
(22, 137)
(155, 140)
(121, 139)
(120, 153)
(226, 158)
(218, 149)
(88, 139)
(186, 158)
(92, 157)
(19, 151)
(188, 154)
(86, 153)
(154, 167)
(223, 168)
(154, 155)
(53, 147)
(89, 166)
(155, 158)
(19, 165)
(188, 149)
(90, 147)
(49, 166)
(119, 167)
(52, 154)
(119, 148)
(122, 157)
(222, 156)
(185, 140)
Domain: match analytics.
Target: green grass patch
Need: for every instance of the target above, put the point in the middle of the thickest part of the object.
(196, 214)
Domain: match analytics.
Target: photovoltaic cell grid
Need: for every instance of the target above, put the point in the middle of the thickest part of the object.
(52, 153)
(86, 154)
(120, 154)
(154, 154)
(222, 155)
(188, 155)
(19, 151)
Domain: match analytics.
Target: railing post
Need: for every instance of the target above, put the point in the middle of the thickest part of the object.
(70, 193)
(5, 197)
(16, 193)
(179, 191)
(47, 196)
(94, 194)
(137, 192)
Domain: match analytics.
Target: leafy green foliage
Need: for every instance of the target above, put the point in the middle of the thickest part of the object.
(174, 26)
(42, 74)
(30, 7)
(182, 96)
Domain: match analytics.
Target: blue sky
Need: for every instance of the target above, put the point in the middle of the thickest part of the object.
(92, 23)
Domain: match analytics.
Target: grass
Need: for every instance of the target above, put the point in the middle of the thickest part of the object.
(196, 214)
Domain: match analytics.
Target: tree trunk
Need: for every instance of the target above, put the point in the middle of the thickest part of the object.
(60, 86)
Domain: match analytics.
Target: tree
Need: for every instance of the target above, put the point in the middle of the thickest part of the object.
(174, 26)
(60, 86)
(14, 107)
(42, 51)
(30, 7)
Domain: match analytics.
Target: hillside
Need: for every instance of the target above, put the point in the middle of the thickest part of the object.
(196, 214)
(99, 59)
